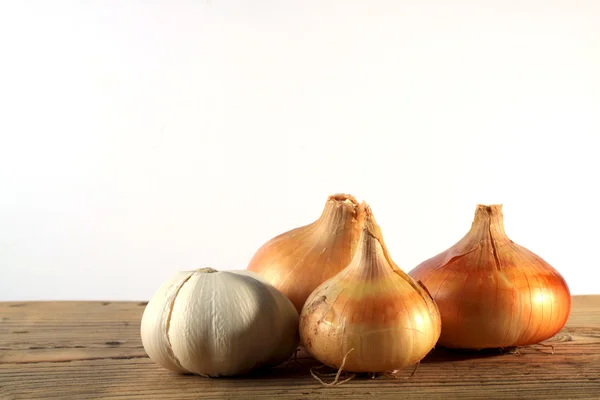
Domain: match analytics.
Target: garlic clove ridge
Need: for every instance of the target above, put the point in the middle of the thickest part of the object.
(155, 322)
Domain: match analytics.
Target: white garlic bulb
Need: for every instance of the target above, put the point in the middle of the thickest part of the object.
(219, 323)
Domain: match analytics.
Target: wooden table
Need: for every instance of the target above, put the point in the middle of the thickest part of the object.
(91, 350)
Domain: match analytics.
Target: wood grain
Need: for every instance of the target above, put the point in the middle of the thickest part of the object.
(92, 350)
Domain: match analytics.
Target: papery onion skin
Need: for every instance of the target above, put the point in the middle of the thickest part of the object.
(492, 292)
(218, 323)
(299, 260)
(371, 312)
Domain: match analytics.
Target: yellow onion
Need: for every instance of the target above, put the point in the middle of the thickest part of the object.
(371, 313)
(493, 293)
(298, 261)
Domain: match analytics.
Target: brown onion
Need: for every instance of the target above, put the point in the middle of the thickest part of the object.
(298, 261)
(493, 293)
(370, 317)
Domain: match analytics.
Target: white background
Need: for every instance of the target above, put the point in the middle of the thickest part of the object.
(139, 138)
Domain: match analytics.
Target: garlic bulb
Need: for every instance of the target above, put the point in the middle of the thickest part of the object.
(371, 312)
(213, 323)
(493, 293)
(298, 261)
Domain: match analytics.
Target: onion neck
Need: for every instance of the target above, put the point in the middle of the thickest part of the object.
(339, 216)
(372, 259)
(488, 224)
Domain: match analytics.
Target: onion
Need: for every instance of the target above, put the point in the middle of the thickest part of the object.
(370, 317)
(493, 293)
(298, 261)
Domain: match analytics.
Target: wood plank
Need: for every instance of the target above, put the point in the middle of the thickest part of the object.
(92, 350)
